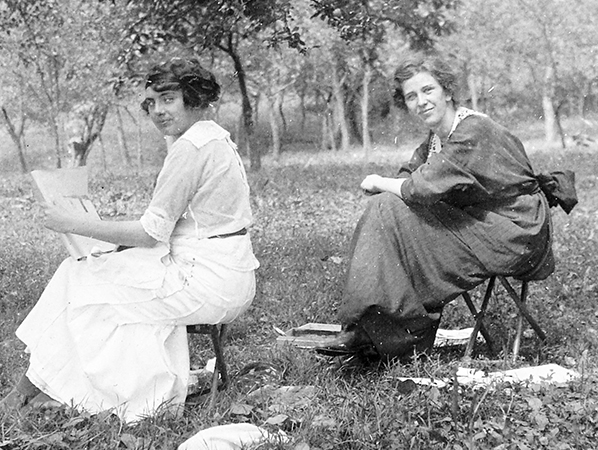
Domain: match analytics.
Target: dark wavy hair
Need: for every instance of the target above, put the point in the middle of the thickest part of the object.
(198, 85)
(434, 65)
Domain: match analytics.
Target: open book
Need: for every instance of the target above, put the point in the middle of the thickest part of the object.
(68, 188)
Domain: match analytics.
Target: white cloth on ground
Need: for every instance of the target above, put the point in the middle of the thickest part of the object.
(234, 436)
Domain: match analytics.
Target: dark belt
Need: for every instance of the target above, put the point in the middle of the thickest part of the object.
(241, 232)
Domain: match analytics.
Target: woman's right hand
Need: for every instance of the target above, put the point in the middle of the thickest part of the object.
(375, 184)
(371, 183)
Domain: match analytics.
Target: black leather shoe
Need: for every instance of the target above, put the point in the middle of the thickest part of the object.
(347, 343)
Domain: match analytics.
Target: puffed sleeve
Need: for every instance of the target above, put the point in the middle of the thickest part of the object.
(177, 183)
(444, 174)
(419, 157)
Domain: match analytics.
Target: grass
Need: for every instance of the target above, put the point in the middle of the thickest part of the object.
(305, 207)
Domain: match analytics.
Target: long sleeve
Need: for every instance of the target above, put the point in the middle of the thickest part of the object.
(480, 163)
(177, 183)
(419, 157)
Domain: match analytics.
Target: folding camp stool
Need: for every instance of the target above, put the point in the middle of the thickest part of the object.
(520, 301)
(218, 335)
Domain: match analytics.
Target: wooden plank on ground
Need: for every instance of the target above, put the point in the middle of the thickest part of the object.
(310, 335)
(313, 335)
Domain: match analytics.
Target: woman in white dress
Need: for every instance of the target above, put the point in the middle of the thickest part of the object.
(109, 332)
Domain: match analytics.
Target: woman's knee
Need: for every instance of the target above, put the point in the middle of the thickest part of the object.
(389, 208)
(387, 200)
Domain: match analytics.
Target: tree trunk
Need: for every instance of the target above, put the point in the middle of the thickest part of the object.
(330, 131)
(122, 141)
(559, 125)
(550, 123)
(283, 119)
(473, 91)
(585, 96)
(365, 106)
(256, 107)
(303, 112)
(17, 134)
(549, 119)
(103, 153)
(275, 120)
(255, 162)
(324, 140)
(53, 93)
(275, 130)
(55, 132)
(339, 102)
(85, 124)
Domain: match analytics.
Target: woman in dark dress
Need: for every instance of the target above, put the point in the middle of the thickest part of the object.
(465, 207)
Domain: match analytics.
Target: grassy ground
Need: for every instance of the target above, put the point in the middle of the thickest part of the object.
(305, 209)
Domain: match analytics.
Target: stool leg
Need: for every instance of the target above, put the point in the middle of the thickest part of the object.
(214, 387)
(517, 342)
(218, 333)
(219, 350)
(479, 317)
(522, 307)
(474, 333)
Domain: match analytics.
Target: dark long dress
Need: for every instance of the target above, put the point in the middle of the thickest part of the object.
(470, 211)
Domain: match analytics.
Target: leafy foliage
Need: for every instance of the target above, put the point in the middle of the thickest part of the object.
(207, 24)
(55, 55)
(421, 20)
(506, 47)
(212, 25)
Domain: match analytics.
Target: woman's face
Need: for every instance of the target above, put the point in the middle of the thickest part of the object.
(426, 99)
(169, 113)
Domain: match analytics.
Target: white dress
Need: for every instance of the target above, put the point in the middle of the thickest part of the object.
(109, 332)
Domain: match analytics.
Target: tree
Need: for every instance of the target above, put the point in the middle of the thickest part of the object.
(274, 73)
(365, 25)
(17, 134)
(16, 119)
(209, 25)
(527, 58)
(61, 54)
(36, 52)
(322, 79)
(546, 21)
(84, 127)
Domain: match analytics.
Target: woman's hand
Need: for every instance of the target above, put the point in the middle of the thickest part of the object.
(371, 184)
(58, 219)
(128, 232)
(374, 184)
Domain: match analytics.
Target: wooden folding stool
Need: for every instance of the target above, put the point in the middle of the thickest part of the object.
(519, 298)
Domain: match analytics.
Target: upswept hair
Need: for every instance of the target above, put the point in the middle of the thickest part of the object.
(198, 85)
(434, 65)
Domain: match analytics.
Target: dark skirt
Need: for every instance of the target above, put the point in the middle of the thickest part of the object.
(407, 262)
